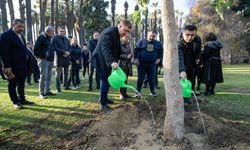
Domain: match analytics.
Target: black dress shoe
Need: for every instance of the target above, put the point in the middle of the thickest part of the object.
(127, 96)
(50, 94)
(110, 102)
(106, 109)
(67, 88)
(26, 102)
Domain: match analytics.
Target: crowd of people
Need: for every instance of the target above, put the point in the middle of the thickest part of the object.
(106, 51)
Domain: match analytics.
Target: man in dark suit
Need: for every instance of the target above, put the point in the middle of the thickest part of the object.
(91, 46)
(61, 46)
(15, 59)
(107, 53)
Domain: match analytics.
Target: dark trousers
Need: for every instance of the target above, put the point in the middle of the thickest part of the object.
(36, 75)
(104, 88)
(97, 75)
(149, 70)
(156, 77)
(85, 67)
(191, 74)
(74, 77)
(16, 89)
(59, 71)
(123, 91)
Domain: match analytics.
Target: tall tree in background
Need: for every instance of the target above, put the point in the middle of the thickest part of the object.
(154, 5)
(145, 13)
(174, 120)
(126, 9)
(113, 2)
(29, 20)
(42, 5)
(11, 10)
(70, 16)
(22, 9)
(80, 23)
(57, 16)
(136, 18)
(4, 15)
(52, 13)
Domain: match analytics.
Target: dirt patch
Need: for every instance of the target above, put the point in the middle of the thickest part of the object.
(130, 128)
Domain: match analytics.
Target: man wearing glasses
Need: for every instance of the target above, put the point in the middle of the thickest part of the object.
(189, 49)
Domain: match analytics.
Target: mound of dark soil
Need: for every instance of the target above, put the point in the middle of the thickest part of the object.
(130, 127)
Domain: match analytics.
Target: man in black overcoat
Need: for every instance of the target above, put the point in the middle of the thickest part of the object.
(107, 53)
(15, 59)
(61, 47)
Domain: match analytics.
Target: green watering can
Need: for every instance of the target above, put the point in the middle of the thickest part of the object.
(117, 79)
(186, 86)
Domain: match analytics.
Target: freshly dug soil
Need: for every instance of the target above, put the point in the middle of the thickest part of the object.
(130, 127)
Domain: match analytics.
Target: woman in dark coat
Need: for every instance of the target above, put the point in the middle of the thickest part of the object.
(125, 63)
(212, 63)
(75, 59)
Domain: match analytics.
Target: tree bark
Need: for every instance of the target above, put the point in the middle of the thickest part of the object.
(174, 120)
(22, 9)
(11, 9)
(29, 20)
(126, 9)
(52, 13)
(4, 15)
(42, 4)
(57, 17)
(113, 2)
(146, 23)
(80, 24)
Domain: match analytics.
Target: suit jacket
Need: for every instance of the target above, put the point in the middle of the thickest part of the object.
(61, 45)
(108, 49)
(14, 53)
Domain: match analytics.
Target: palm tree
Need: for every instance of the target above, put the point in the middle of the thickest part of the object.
(126, 9)
(29, 20)
(113, 2)
(174, 120)
(11, 10)
(4, 15)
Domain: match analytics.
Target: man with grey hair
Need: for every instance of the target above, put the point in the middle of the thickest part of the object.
(15, 60)
(45, 53)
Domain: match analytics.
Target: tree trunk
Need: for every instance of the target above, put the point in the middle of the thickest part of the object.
(22, 9)
(42, 4)
(80, 22)
(4, 15)
(69, 18)
(146, 23)
(174, 120)
(155, 21)
(57, 17)
(113, 2)
(126, 9)
(11, 10)
(52, 14)
(29, 20)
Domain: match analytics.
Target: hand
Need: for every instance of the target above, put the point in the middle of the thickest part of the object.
(114, 65)
(77, 62)
(129, 56)
(136, 61)
(9, 73)
(157, 61)
(183, 75)
(197, 61)
(66, 54)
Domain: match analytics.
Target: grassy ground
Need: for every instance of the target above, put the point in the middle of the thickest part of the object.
(52, 118)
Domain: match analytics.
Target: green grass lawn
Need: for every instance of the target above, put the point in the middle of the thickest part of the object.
(52, 118)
